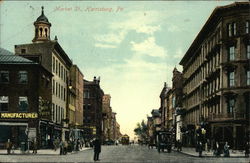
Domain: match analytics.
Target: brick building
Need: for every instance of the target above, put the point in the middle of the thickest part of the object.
(92, 109)
(216, 71)
(25, 101)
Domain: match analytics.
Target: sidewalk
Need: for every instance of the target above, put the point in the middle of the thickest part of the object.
(39, 152)
(192, 152)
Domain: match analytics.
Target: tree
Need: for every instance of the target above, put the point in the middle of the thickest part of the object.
(141, 130)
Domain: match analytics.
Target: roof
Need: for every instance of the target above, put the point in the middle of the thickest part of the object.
(42, 18)
(52, 45)
(5, 52)
(12, 59)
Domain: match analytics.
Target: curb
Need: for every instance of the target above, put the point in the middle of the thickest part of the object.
(46, 154)
(207, 156)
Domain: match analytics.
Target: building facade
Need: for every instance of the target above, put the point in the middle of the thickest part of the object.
(25, 101)
(92, 109)
(216, 76)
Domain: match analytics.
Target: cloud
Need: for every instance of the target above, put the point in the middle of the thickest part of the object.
(149, 47)
(104, 45)
(134, 21)
(113, 38)
(179, 54)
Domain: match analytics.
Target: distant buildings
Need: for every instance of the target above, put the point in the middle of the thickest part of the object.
(111, 128)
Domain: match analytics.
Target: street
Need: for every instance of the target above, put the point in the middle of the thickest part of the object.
(130, 153)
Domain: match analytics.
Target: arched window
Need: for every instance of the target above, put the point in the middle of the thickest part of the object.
(41, 32)
(46, 32)
(36, 34)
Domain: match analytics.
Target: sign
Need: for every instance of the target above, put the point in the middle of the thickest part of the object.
(19, 115)
(32, 133)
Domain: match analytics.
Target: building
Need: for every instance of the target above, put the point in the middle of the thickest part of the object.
(216, 72)
(76, 98)
(92, 109)
(54, 59)
(106, 110)
(163, 108)
(25, 101)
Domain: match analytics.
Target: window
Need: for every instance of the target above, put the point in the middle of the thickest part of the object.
(53, 64)
(247, 26)
(4, 103)
(248, 77)
(23, 77)
(86, 94)
(23, 51)
(231, 29)
(53, 110)
(248, 51)
(231, 79)
(230, 105)
(56, 66)
(56, 113)
(62, 92)
(23, 103)
(4, 76)
(62, 72)
(53, 87)
(59, 90)
(56, 88)
(59, 70)
(231, 53)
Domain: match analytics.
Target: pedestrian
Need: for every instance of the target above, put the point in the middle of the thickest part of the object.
(78, 144)
(200, 149)
(226, 150)
(56, 143)
(66, 144)
(179, 146)
(97, 149)
(216, 149)
(247, 149)
(8, 146)
(35, 146)
(61, 145)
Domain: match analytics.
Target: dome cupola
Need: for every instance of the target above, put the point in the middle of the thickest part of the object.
(42, 28)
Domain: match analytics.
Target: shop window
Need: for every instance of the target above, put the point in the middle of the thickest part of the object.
(231, 81)
(4, 103)
(23, 77)
(231, 53)
(230, 105)
(23, 103)
(4, 76)
(248, 77)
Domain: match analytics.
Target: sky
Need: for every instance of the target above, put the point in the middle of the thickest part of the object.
(133, 46)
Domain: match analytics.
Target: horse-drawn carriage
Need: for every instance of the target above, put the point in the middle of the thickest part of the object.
(164, 141)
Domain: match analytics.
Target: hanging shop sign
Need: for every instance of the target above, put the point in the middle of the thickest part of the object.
(18, 115)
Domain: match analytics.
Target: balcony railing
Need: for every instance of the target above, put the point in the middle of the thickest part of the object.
(226, 116)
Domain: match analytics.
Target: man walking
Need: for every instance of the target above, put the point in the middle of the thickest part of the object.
(97, 149)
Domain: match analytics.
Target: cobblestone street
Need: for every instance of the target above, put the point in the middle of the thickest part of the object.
(133, 153)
